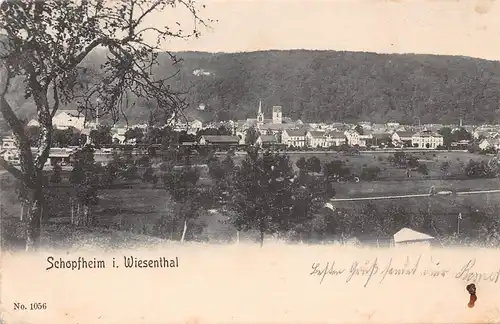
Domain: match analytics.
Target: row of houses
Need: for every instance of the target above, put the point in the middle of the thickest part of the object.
(328, 139)
(10, 153)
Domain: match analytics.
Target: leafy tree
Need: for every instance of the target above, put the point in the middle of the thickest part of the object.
(477, 169)
(77, 139)
(149, 176)
(215, 169)
(153, 135)
(222, 173)
(101, 135)
(423, 169)
(445, 167)
(45, 44)
(110, 174)
(447, 136)
(62, 137)
(182, 187)
(399, 159)
(134, 133)
(251, 135)
(32, 133)
(85, 180)
(56, 175)
(370, 173)
(313, 164)
(461, 134)
(330, 223)
(301, 163)
(263, 194)
(130, 172)
(335, 169)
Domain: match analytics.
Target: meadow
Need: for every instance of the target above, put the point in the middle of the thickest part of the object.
(138, 207)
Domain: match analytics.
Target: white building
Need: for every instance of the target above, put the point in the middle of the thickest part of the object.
(264, 140)
(294, 137)
(402, 138)
(316, 139)
(407, 236)
(11, 156)
(353, 138)
(9, 143)
(33, 123)
(335, 139)
(68, 118)
(427, 139)
(277, 115)
(489, 143)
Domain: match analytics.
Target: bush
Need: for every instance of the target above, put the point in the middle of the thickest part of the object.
(370, 173)
(422, 168)
(56, 176)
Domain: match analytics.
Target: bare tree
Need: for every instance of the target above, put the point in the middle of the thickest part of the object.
(43, 44)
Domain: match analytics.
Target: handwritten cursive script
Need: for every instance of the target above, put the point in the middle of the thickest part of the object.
(467, 274)
(327, 270)
(372, 268)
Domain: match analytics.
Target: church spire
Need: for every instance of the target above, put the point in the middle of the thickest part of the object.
(260, 115)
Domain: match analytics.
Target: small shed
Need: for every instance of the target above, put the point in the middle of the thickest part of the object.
(407, 236)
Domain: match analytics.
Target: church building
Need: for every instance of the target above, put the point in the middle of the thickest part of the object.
(274, 125)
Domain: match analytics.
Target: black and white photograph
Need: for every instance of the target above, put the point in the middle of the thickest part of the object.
(321, 127)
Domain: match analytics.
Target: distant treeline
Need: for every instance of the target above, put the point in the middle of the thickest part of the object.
(332, 86)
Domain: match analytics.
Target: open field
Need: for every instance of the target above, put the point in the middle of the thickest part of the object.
(138, 207)
(432, 159)
(138, 210)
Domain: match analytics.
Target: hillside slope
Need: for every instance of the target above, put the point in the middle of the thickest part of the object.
(334, 86)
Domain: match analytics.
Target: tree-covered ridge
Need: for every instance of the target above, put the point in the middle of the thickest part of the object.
(333, 86)
(350, 86)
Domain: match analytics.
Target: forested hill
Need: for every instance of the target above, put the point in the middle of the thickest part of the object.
(337, 86)
(352, 86)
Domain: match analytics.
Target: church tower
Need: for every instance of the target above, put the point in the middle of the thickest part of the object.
(277, 118)
(260, 115)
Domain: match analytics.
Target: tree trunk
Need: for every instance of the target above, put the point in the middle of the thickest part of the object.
(237, 236)
(86, 221)
(34, 220)
(184, 231)
(72, 212)
(22, 211)
(78, 218)
(261, 238)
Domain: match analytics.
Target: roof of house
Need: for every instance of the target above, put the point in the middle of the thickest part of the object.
(491, 141)
(268, 138)
(405, 133)
(409, 235)
(221, 138)
(427, 134)
(381, 135)
(317, 133)
(295, 132)
(71, 112)
(276, 126)
(336, 134)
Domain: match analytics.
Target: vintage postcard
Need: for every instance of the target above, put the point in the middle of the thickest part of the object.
(249, 161)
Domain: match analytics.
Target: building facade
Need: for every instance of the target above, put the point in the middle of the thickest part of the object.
(294, 137)
(68, 118)
(427, 139)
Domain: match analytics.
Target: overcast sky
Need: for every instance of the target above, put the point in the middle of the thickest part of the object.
(456, 27)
